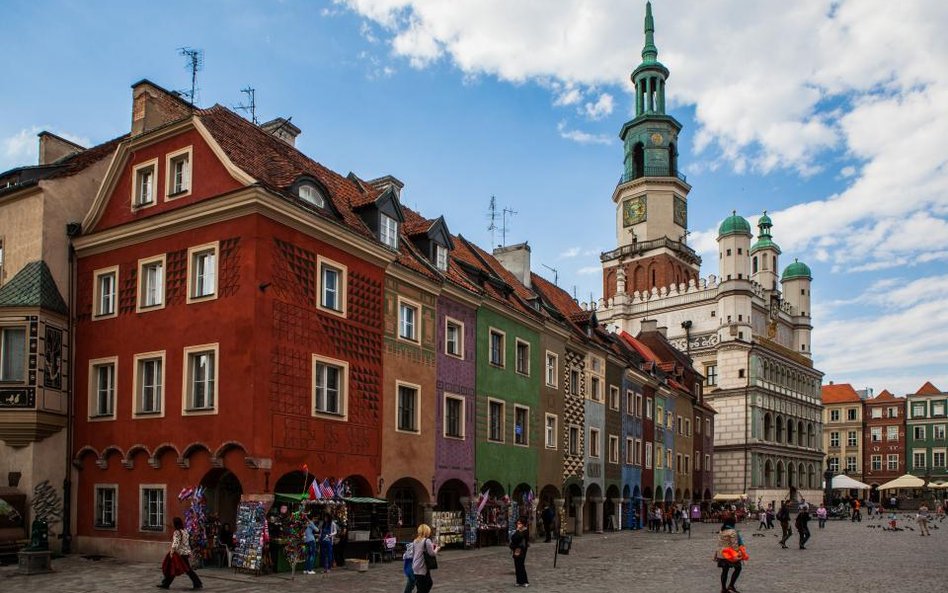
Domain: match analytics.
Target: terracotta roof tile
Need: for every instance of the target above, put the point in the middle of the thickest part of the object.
(839, 393)
(885, 396)
(277, 165)
(79, 161)
(928, 389)
(639, 347)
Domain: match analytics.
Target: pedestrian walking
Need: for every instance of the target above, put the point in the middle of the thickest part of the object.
(762, 517)
(676, 517)
(730, 554)
(821, 515)
(783, 516)
(770, 516)
(802, 525)
(178, 560)
(407, 559)
(922, 519)
(547, 516)
(424, 558)
(519, 542)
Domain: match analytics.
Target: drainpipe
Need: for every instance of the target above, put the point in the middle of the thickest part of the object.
(73, 229)
(687, 326)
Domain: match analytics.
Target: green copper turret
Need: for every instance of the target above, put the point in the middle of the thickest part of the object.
(649, 52)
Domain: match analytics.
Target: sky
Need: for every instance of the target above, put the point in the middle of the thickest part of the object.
(832, 115)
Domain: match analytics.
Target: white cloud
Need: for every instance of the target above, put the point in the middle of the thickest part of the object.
(571, 252)
(22, 148)
(601, 108)
(587, 270)
(580, 136)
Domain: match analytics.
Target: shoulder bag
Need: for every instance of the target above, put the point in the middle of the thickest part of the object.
(431, 561)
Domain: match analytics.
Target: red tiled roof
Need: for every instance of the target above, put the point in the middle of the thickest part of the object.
(477, 258)
(79, 161)
(839, 393)
(928, 389)
(277, 165)
(639, 347)
(885, 396)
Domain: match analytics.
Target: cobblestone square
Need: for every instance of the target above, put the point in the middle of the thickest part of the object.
(844, 557)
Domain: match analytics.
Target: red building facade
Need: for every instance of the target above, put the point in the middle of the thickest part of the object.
(229, 327)
(884, 447)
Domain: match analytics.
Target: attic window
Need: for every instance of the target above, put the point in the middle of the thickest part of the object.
(388, 231)
(441, 258)
(310, 193)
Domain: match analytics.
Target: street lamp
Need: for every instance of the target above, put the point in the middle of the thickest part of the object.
(827, 485)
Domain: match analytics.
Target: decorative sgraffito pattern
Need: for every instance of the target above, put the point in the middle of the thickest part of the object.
(300, 330)
(176, 277)
(229, 267)
(128, 277)
(574, 414)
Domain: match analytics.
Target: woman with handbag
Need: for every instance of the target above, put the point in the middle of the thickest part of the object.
(424, 558)
(730, 554)
(518, 545)
(177, 560)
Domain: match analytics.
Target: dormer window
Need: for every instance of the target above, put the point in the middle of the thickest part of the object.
(388, 231)
(178, 167)
(143, 184)
(310, 194)
(441, 258)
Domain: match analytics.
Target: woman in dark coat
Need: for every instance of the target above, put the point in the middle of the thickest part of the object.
(518, 546)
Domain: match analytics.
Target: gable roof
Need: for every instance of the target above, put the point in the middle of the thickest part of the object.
(33, 286)
(839, 393)
(884, 396)
(928, 389)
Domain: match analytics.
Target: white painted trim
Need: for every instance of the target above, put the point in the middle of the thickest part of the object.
(417, 388)
(97, 295)
(444, 417)
(526, 427)
(344, 385)
(342, 295)
(95, 497)
(416, 339)
(186, 380)
(169, 172)
(92, 389)
(153, 165)
(448, 321)
(213, 247)
(136, 360)
(141, 507)
(503, 420)
(139, 293)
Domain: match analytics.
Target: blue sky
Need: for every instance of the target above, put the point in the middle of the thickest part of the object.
(829, 114)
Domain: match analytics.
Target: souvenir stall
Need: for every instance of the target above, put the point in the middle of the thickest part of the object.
(448, 527)
(196, 522)
(251, 534)
(492, 520)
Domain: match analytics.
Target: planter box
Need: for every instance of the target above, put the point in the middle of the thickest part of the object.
(357, 564)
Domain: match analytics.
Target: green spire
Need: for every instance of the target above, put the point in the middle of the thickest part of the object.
(649, 52)
(764, 238)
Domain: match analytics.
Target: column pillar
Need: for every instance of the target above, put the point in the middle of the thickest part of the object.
(579, 505)
(558, 507)
(428, 511)
(599, 508)
(648, 94)
(661, 96)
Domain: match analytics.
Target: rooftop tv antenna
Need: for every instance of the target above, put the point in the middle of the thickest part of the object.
(492, 214)
(503, 227)
(195, 61)
(251, 106)
(556, 275)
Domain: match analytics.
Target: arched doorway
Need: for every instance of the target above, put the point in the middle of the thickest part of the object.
(768, 474)
(669, 496)
(549, 494)
(687, 497)
(359, 486)
(573, 496)
(638, 160)
(611, 508)
(450, 494)
(294, 482)
(779, 483)
(591, 508)
(222, 493)
(678, 494)
(408, 495)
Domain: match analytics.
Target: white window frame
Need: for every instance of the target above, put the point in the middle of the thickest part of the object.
(668, 458)
(614, 398)
(187, 383)
(648, 455)
(919, 433)
(595, 382)
(678, 463)
(938, 409)
(399, 385)
(137, 386)
(140, 306)
(441, 257)
(94, 364)
(637, 452)
(184, 154)
(629, 451)
(448, 322)
(342, 287)
(888, 433)
(594, 446)
(503, 347)
(24, 354)
(688, 427)
(525, 344)
(875, 434)
(935, 453)
(96, 516)
(938, 432)
(193, 253)
(309, 193)
(915, 454)
(613, 448)
(852, 438)
(550, 443)
(888, 462)
(852, 463)
(461, 419)
(834, 439)
(575, 378)
(834, 415)
(711, 374)
(150, 164)
(97, 276)
(388, 230)
(551, 372)
(875, 463)
(142, 511)
(916, 406)
(659, 456)
(415, 337)
(502, 429)
(526, 426)
(638, 404)
(875, 412)
(343, 366)
(649, 408)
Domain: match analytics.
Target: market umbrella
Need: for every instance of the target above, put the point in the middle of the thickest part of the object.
(941, 485)
(906, 481)
(720, 497)
(844, 482)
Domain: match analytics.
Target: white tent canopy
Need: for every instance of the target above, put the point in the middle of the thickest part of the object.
(906, 481)
(844, 482)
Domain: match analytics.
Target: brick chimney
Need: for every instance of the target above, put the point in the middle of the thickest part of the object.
(648, 325)
(52, 148)
(153, 106)
(516, 258)
(282, 129)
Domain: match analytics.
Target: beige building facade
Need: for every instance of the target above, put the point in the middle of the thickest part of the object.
(843, 430)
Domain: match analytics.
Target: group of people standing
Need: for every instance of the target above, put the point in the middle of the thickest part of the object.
(671, 519)
(802, 523)
(324, 535)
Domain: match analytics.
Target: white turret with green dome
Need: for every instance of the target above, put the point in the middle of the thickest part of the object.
(764, 256)
(796, 281)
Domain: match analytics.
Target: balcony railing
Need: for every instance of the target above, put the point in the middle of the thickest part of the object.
(651, 172)
(642, 246)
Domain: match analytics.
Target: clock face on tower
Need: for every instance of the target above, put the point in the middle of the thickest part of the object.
(656, 139)
(681, 212)
(633, 211)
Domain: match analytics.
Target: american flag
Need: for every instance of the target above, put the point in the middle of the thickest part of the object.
(326, 489)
